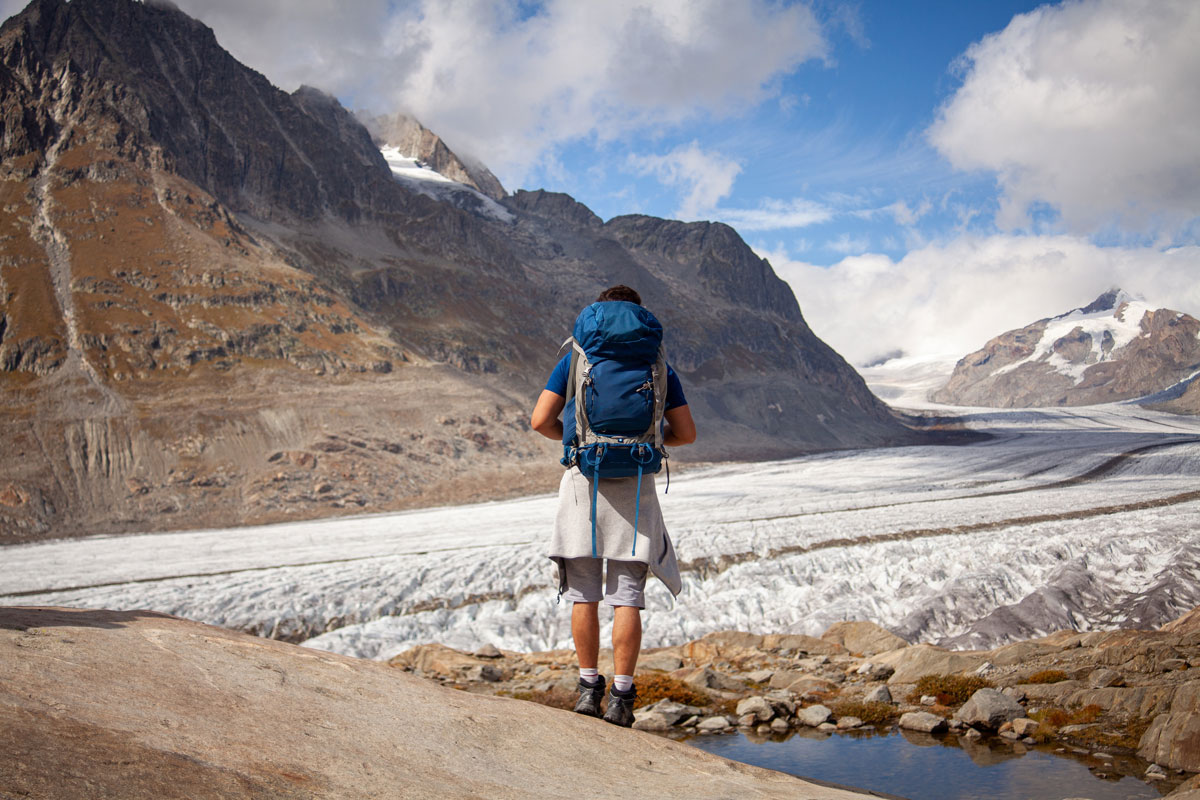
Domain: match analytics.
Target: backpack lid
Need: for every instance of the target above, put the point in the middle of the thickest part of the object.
(618, 329)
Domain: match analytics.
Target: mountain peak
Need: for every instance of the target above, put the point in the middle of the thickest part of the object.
(414, 140)
(1109, 301)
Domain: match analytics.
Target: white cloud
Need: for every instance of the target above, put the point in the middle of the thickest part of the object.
(705, 176)
(507, 82)
(951, 298)
(1091, 107)
(847, 244)
(776, 215)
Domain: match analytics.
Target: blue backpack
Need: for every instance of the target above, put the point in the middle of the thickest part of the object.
(616, 395)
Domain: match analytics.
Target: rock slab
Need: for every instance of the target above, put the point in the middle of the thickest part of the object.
(989, 708)
(135, 704)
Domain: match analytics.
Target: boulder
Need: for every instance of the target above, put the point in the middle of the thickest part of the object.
(671, 711)
(713, 724)
(758, 706)
(911, 663)
(880, 694)
(922, 721)
(814, 715)
(1188, 623)
(663, 660)
(875, 672)
(707, 678)
(1103, 678)
(1024, 726)
(849, 723)
(795, 643)
(1173, 740)
(489, 650)
(865, 638)
(760, 675)
(728, 645)
(135, 704)
(779, 725)
(989, 709)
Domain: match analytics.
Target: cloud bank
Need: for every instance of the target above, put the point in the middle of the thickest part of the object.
(951, 298)
(1090, 107)
(509, 82)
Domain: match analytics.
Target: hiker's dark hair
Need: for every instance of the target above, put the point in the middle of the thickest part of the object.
(619, 292)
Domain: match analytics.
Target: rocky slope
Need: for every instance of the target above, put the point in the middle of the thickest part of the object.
(1124, 702)
(1116, 348)
(142, 705)
(218, 306)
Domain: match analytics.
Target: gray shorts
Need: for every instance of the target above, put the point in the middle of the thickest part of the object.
(626, 584)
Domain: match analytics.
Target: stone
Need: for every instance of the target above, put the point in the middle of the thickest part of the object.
(137, 704)
(650, 721)
(779, 725)
(1103, 678)
(760, 675)
(865, 638)
(928, 700)
(488, 651)
(1015, 692)
(1173, 664)
(713, 724)
(707, 678)
(813, 715)
(1155, 773)
(1173, 740)
(808, 686)
(690, 722)
(763, 730)
(670, 710)
(758, 706)
(792, 644)
(747, 720)
(1071, 729)
(1024, 726)
(922, 721)
(875, 672)
(666, 661)
(985, 669)
(915, 661)
(1010, 735)
(880, 694)
(1029, 740)
(972, 735)
(827, 727)
(849, 723)
(989, 709)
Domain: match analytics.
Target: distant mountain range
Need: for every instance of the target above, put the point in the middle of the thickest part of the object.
(1115, 348)
(221, 303)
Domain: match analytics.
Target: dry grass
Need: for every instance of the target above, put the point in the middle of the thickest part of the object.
(1047, 676)
(950, 690)
(1052, 719)
(873, 713)
(655, 686)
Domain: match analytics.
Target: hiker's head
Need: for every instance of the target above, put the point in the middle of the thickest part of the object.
(619, 292)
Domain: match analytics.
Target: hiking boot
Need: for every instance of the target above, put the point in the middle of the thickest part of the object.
(620, 707)
(590, 697)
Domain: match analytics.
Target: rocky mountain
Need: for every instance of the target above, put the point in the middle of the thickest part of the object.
(1115, 348)
(219, 304)
(414, 140)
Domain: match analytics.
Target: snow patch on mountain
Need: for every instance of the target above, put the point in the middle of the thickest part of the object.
(1110, 330)
(422, 178)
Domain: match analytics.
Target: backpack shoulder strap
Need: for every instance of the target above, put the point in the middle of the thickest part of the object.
(659, 379)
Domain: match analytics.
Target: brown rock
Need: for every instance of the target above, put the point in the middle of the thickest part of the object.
(798, 643)
(925, 659)
(1173, 740)
(865, 638)
(1188, 623)
(141, 705)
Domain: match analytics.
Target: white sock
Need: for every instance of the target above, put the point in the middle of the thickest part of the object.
(622, 683)
(588, 675)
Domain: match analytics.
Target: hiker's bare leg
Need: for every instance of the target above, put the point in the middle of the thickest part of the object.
(626, 638)
(585, 629)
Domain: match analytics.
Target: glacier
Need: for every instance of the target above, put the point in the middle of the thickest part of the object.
(1084, 518)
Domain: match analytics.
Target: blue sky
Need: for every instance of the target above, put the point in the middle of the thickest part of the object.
(925, 175)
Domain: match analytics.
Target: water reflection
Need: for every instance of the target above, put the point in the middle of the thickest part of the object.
(924, 766)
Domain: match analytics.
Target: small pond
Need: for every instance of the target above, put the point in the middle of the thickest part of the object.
(921, 766)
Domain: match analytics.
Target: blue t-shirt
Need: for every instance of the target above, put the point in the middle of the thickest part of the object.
(558, 383)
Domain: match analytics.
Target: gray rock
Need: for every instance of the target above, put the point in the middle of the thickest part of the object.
(1069, 729)
(814, 715)
(489, 650)
(922, 721)
(827, 726)
(1103, 678)
(928, 700)
(779, 725)
(1173, 740)
(670, 710)
(986, 668)
(650, 721)
(972, 735)
(1155, 773)
(1012, 736)
(989, 709)
(483, 672)
(849, 723)
(712, 724)
(880, 694)
(666, 662)
(747, 721)
(760, 675)
(758, 706)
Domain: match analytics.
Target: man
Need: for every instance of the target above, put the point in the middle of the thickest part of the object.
(630, 540)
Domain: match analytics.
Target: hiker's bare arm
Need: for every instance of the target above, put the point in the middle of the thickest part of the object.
(545, 415)
(681, 429)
